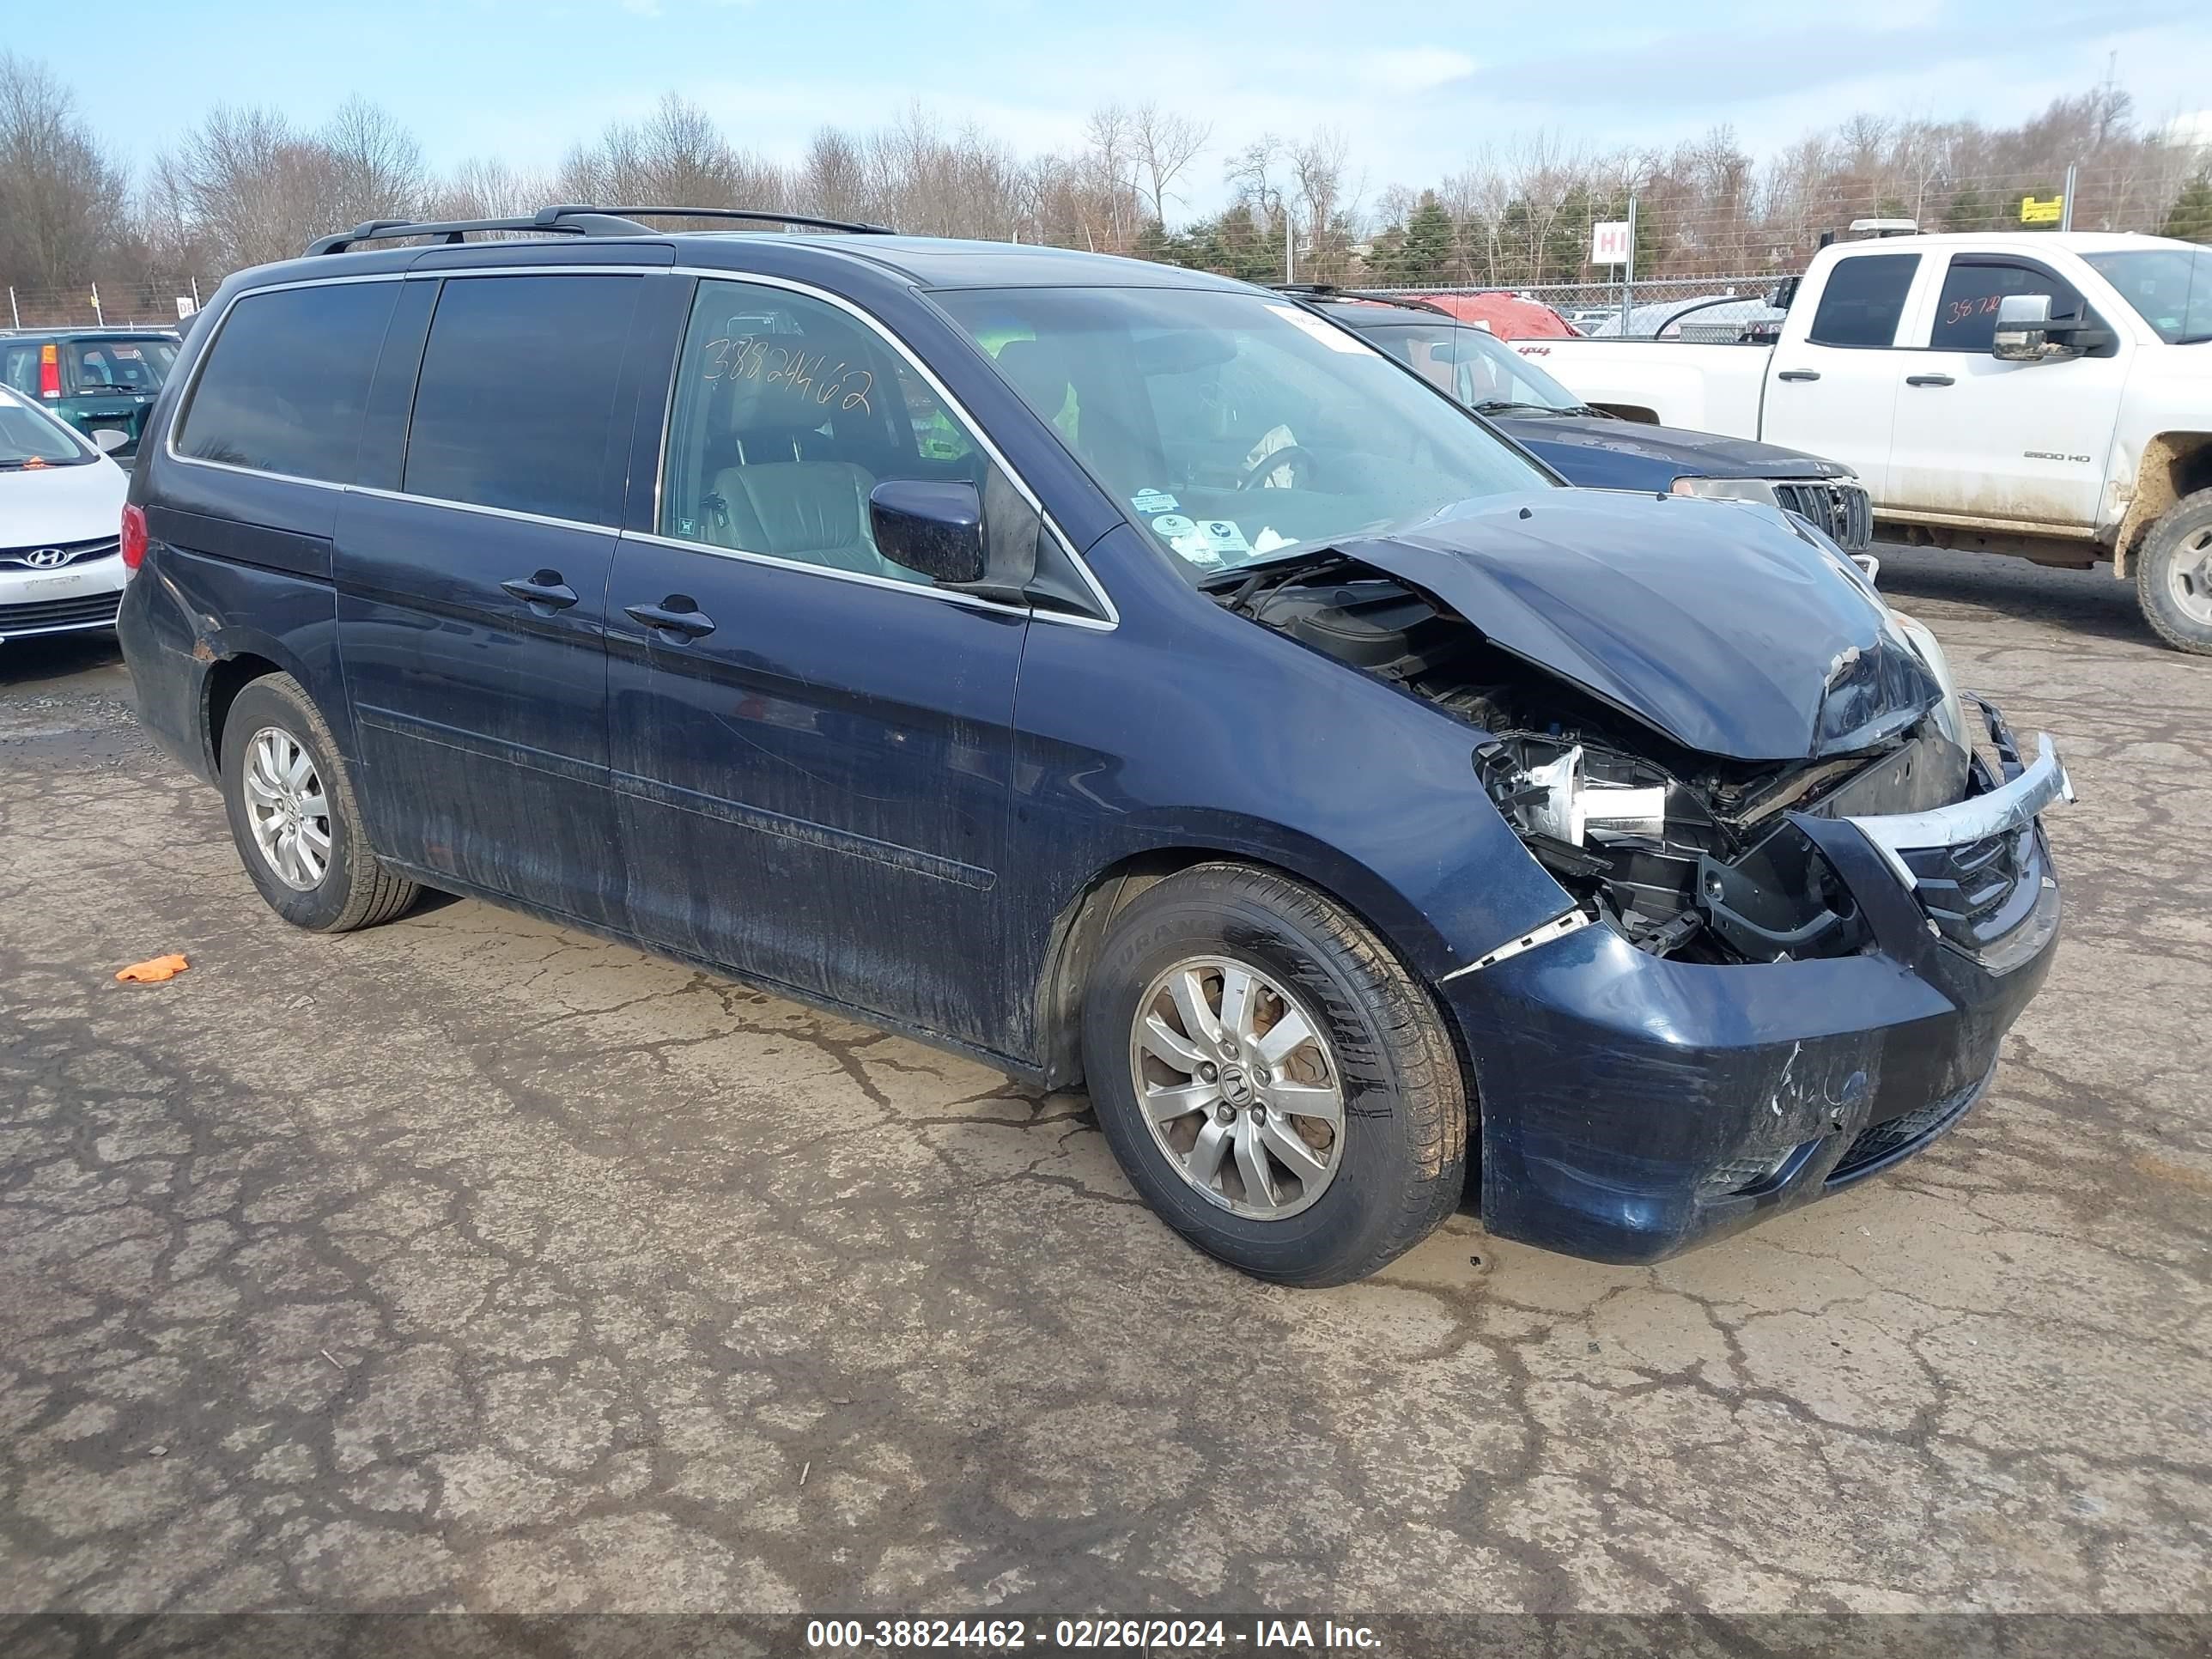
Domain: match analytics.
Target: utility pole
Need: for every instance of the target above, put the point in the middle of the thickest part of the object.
(2066, 205)
(1628, 267)
(12, 312)
(99, 315)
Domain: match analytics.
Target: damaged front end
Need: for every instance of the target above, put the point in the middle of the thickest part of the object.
(1799, 927)
(1686, 854)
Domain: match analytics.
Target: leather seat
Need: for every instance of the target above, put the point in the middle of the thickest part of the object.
(814, 511)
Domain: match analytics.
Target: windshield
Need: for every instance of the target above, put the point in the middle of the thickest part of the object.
(1231, 427)
(2170, 288)
(31, 438)
(111, 365)
(1474, 365)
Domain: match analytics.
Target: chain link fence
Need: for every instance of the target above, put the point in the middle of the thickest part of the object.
(1700, 308)
(153, 304)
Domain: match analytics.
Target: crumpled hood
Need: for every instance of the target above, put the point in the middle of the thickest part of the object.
(1683, 454)
(1715, 623)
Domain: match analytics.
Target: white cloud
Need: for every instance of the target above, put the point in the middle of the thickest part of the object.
(1415, 69)
(2193, 128)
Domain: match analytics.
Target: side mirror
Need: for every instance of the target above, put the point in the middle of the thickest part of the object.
(108, 440)
(934, 528)
(2026, 332)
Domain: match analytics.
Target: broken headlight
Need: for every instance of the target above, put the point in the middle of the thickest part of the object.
(1951, 713)
(1647, 852)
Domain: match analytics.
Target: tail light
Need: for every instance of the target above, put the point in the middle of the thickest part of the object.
(134, 536)
(49, 372)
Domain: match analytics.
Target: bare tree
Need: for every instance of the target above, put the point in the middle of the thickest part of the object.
(1317, 164)
(488, 188)
(1165, 143)
(676, 156)
(1109, 157)
(247, 188)
(245, 184)
(376, 169)
(833, 179)
(60, 197)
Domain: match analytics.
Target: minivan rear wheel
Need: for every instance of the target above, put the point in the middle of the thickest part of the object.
(1274, 1082)
(294, 817)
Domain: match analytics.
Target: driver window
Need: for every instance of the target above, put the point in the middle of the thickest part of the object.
(788, 412)
(1967, 311)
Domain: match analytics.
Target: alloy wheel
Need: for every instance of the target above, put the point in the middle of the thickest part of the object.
(1238, 1086)
(286, 808)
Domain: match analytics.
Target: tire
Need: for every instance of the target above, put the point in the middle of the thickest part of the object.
(1394, 1162)
(350, 888)
(2173, 574)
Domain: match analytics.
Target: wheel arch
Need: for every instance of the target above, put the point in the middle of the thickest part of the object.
(2174, 464)
(226, 677)
(1080, 926)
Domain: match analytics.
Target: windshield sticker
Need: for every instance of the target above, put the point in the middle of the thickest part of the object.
(1336, 338)
(1224, 538)
(1187, 539)
(1149, 501)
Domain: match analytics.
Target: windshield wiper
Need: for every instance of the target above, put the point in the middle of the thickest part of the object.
(1265, 577)
(1502, 405)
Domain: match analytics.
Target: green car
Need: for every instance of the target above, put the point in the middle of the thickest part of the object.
(96, 379)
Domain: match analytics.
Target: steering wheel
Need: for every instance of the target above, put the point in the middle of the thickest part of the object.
(1290, 455)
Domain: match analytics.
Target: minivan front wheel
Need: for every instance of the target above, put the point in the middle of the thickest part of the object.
(293, 816)
(1273, 1081)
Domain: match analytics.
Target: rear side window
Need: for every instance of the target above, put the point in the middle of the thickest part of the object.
(1863, 299)
(121, 365)
(516, 394)
(19, 368)
(286, 381)
(1967, 314)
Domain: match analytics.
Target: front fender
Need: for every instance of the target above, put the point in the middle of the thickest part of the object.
(1189, 726)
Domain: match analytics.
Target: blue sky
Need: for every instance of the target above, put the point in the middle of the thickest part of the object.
(1418, 88)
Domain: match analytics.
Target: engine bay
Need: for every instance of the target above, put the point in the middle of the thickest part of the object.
(1688, 855)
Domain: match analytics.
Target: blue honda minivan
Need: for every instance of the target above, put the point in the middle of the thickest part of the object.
(1122, 676)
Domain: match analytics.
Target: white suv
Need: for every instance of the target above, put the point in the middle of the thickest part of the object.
(61, 513)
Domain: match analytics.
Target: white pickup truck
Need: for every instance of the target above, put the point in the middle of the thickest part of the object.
(2045, 395)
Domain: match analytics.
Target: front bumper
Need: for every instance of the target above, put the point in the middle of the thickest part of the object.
(77, 596)
(1634, 1106)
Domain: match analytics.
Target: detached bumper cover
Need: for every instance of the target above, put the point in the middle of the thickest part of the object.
(1634, 1106)
(2008, 807)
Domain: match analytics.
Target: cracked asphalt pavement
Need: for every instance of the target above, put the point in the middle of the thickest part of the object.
(466, 1263)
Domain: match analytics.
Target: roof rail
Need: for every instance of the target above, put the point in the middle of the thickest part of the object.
(574, 219)
(762, 215)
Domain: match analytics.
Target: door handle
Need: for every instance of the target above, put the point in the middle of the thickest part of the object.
(1930, 380)
(545, 588)
(1799, 374)
(677, 614)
